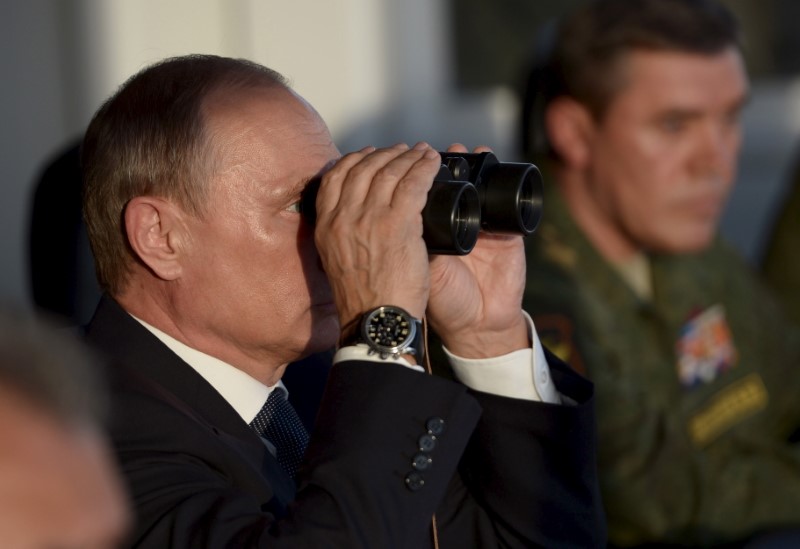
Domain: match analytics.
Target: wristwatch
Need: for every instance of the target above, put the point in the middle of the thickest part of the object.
(390, 331)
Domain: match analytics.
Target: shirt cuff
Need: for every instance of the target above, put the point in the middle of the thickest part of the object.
(360, 351)
(522, 374)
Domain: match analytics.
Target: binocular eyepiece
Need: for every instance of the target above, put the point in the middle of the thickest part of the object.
(472, 192)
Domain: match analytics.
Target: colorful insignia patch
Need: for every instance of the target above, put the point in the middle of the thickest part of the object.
(705, 347)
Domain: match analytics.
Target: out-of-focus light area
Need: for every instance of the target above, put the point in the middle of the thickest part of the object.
(378, 71)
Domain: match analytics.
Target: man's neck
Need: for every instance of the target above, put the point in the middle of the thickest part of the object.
(156, 311)
(609, 241)
(629, 260)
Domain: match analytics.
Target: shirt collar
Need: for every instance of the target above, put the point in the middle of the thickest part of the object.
(244, 393)
(637, 273)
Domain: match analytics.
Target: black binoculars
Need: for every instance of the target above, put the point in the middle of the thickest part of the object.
(472, 192)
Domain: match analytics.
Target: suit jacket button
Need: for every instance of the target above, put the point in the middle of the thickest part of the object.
(427, 443)
(414, 481)
(421, 461)
(435, 426)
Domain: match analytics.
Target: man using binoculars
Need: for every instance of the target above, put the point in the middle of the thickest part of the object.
(216, 283)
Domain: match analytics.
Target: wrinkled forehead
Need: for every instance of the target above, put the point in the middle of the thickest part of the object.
(267, 134)
(272, 114)
(667, 76)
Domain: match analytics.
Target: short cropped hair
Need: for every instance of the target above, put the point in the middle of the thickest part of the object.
(590, 43)
(150, 139)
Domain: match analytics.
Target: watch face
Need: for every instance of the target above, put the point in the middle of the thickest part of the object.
(389, 329)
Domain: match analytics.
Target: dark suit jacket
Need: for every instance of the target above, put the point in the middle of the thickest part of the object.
(516, 474)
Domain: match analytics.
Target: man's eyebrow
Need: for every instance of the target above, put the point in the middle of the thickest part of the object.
(328, 165)
(296, 190)
(677, 112)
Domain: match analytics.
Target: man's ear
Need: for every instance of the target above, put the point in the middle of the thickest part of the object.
(570, 127)
(156, 233)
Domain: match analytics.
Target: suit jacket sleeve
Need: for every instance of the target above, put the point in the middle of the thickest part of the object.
(521, 483)
(530, 470)
(195, 485)
(520, 475)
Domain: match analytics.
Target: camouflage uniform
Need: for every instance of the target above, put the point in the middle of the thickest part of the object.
(782, 258)
(697, 389)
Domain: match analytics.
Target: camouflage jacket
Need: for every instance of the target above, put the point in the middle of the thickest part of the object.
(698, 390)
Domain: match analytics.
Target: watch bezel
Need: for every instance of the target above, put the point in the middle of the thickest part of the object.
(406, 346)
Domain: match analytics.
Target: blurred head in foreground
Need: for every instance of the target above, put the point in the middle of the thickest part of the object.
(58, 484)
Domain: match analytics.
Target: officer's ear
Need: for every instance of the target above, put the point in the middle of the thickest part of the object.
(157, 232)
(570, 127)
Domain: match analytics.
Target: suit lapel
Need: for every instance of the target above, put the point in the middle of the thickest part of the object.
(141, 358)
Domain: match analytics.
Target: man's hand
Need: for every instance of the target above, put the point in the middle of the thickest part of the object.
(369, 229)
(476, 300)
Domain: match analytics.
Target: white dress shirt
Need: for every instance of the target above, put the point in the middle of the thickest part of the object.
(522, 374)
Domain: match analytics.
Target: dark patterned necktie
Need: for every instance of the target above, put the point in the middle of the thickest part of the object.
(279, 423)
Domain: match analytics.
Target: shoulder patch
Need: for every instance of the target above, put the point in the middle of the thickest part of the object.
(729, 406)
(556, 332)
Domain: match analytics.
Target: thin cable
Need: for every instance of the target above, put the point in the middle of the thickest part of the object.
(429, 370)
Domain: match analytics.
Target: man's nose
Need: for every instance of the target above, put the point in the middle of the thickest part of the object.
(717, 150)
